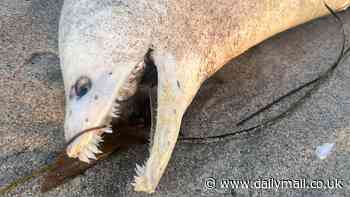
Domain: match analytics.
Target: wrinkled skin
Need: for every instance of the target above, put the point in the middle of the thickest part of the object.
(103, 44)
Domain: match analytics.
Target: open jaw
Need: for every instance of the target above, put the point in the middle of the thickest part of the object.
(135, 104)
(167, 104)
(86, 143)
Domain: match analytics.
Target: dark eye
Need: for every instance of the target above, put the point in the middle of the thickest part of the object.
(82, 86)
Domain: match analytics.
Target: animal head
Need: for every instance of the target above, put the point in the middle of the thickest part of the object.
(102, 49)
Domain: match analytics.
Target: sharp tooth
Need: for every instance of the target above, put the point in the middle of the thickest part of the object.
(94, 149)
(83, 157)
(139, 170)
(138, 173)
(98, 138)
(108, 130)
(138, 167)
(95, 141)
(90, 154)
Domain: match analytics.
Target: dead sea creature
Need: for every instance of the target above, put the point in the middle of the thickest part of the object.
(107, 49)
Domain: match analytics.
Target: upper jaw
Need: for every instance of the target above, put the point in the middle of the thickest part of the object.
(85, 145)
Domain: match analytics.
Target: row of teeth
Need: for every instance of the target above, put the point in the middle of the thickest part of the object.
(89, 151)
(140, 171)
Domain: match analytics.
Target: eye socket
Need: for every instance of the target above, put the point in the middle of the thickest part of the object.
(82, 86)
